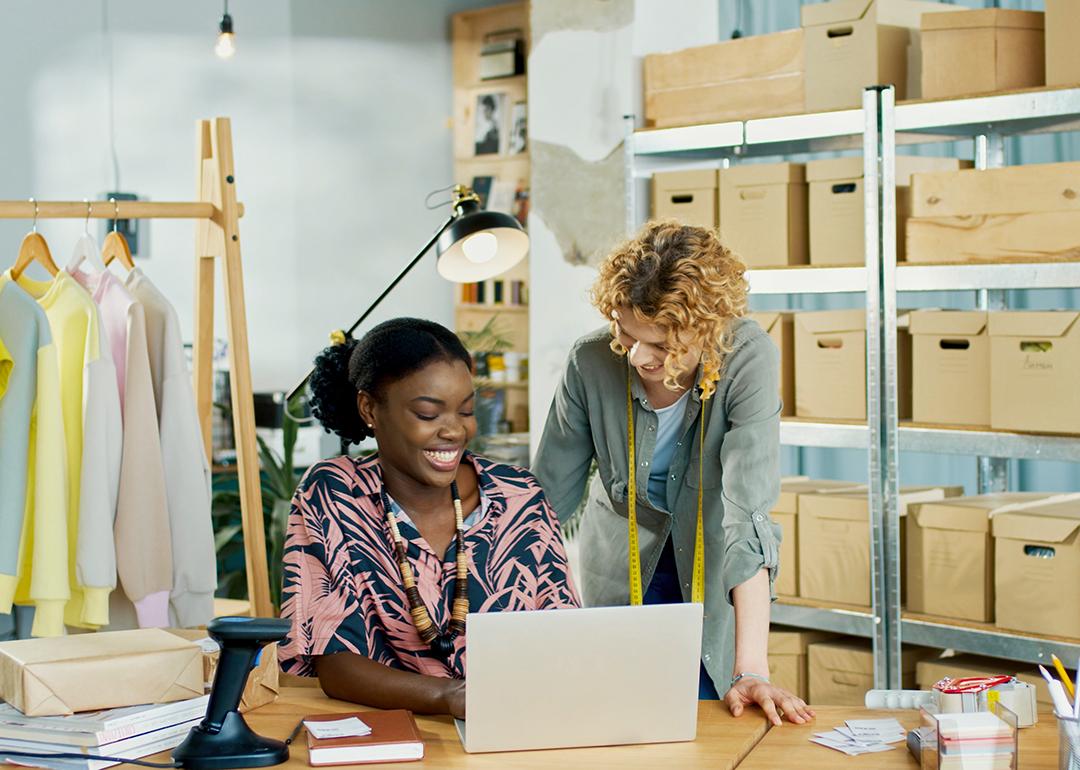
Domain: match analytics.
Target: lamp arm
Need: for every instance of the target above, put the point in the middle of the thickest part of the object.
(419, 255)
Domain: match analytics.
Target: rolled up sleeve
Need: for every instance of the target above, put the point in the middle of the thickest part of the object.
(750, 457)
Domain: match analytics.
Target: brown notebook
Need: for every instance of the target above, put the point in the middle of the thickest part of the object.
(394, 738)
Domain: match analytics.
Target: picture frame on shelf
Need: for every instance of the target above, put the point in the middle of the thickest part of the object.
(489, 134)
(519, 129)
(481, 185)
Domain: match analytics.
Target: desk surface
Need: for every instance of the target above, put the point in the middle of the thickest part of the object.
(790, 745)
(722, 741)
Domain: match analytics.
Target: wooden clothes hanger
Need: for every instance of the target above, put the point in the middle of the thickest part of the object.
(116, 245)
(34, 249)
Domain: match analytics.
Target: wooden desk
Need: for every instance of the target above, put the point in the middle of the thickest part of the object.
(722, 741)
(790, 746)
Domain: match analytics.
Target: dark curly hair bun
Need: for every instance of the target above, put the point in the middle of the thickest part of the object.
(333, 397)
(389, 352)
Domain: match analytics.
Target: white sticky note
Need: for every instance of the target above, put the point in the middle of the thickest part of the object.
(350, 727)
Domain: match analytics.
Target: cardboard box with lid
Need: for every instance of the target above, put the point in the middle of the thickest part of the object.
(786, 513)
(780, 327)
(853, 44)
(840, 672)
(1062, 32)
(1035, 371)
(950, 367)
(688, 196)
(837, 232)
(1037, 566)
(750, 77)
(787, 657)
(980, 51)
(830, 365)
(1016, 212)
(834, 542)
(950, 555)
(763, 213)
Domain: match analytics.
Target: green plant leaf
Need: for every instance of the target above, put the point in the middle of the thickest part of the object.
(225, 535)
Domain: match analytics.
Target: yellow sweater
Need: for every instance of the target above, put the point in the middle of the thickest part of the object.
(5, 368)
(93, 434)
(33, 554)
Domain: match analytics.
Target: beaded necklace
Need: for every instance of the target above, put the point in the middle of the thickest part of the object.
(441, 644)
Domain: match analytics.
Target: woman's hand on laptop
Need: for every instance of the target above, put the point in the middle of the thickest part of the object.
(455, 698)
(775, 701)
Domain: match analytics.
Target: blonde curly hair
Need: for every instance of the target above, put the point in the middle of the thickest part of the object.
(682, 279)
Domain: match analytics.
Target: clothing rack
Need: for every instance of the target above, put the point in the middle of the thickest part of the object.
(217, 236)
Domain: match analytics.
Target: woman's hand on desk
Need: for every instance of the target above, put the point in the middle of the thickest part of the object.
(774, 701)
(455, 698)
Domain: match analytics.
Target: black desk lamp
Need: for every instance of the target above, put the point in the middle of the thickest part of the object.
(472, 245)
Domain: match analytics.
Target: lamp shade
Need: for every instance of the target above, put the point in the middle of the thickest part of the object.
(480, 244)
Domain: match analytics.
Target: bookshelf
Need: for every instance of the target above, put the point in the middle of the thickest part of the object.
(491, 155)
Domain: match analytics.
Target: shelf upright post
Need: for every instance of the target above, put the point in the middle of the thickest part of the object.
(630, 203)
(879, 203)
(993, 472)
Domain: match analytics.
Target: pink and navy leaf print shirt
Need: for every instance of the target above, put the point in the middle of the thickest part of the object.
(342, 587)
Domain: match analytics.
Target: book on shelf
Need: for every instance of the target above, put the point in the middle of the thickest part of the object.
(394, 737)
(96, 728)
(133, 747)
(497, 292)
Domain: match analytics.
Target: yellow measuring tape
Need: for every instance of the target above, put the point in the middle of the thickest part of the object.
(697, 590)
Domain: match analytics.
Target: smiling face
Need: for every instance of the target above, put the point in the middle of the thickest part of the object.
(423, 421)
(647, 349)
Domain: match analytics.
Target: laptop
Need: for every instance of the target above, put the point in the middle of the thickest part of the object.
(600, 676)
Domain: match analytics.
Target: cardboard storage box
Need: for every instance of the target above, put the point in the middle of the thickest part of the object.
(981, 51)
(841, 672)
(688, 196)
(1003, 213)
(1037, 566)
(781, 328)
(950, 555)
(1035, 371)
(108, 669)
(852, 44)
(787, 657)
(786, 514)
(830, 365)
(750, 77)
(1062, 32)
(263, 682)
(763, 213)
(950, 367)
(834, 542)
(837, 234)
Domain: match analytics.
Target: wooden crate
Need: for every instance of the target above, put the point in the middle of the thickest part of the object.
(994, 237)
(749, 77)
(1010, 190)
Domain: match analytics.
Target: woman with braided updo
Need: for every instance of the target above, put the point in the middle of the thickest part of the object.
(677, 401)
(386, 555)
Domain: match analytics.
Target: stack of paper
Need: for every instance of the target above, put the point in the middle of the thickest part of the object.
(862, 736)
(349, 727)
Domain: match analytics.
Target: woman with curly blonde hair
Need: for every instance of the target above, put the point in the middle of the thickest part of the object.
(677, 401)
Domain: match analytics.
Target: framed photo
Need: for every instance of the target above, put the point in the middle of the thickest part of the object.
(490, 116)
(519, 130)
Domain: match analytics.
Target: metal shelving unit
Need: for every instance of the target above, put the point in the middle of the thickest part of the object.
(878, 128)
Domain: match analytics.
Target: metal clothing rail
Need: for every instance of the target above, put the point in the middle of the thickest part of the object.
(217, 214)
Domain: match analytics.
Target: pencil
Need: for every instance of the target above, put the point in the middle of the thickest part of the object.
(295, 732)
(1064, 676)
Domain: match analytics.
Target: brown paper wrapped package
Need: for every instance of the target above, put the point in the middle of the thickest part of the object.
(86, 672)
(262, 684)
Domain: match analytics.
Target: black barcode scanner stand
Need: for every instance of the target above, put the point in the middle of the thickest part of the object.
(223, 739)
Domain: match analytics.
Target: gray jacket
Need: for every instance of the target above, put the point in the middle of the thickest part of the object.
(587, 421)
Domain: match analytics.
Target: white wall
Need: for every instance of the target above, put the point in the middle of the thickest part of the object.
(583, 77)
(340, 126)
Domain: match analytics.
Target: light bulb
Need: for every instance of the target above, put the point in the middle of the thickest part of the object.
(480, 247)
(226, 45)
(226, 42)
